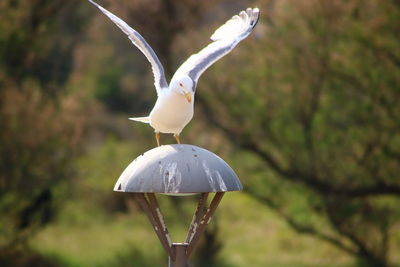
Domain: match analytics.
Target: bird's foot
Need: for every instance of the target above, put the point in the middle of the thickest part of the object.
(178, 140)
(158, 139)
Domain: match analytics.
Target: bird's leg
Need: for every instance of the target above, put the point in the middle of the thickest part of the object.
(158, 138)
(178, 140)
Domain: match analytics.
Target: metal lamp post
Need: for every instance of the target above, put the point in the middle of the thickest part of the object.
(178, 170)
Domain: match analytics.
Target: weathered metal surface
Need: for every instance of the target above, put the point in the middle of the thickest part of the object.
(159, 217)
(205, 220)
(198, 214)
(178, 169)
(151, 208)
(181, 259)
(179, 253)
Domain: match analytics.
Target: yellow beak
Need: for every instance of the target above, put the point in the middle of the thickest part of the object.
(188, 97)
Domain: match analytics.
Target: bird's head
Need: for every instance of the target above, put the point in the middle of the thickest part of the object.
(183, 86)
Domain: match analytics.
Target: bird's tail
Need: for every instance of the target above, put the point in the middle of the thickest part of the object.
(141, 119)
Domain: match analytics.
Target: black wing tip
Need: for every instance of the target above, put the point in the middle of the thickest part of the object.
(256, 15)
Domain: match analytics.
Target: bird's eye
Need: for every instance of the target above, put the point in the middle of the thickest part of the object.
(180, 84)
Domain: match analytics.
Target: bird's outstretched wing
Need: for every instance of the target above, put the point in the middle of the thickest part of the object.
(225, 39)
(158, 70)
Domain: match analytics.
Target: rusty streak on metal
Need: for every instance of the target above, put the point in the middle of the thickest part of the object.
(155, 221)
(196, 217)
(204, 221)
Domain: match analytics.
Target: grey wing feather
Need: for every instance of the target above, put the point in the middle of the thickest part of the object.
(225, 39)
(158, 70)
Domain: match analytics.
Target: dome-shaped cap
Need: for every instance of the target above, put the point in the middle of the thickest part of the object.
(178, 169)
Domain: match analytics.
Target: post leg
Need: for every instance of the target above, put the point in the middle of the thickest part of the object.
(196, 217)
(158, 226)
(204, 221)
(181, 258)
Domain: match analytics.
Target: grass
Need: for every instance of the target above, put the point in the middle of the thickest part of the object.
(99, 243)
(256, 237)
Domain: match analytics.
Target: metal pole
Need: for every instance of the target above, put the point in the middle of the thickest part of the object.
(181, 258)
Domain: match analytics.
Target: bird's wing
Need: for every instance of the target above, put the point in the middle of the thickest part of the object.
(225, 39)
(158, 70)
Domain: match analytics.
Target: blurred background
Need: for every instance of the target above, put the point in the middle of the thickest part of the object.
(306, 111)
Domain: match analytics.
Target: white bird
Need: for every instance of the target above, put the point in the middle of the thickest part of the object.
(174, 106)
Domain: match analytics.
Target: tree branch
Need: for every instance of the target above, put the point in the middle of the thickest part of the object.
(300, 228)
(294, 175)
(321, 186)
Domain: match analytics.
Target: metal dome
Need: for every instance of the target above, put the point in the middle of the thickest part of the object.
(178, 169)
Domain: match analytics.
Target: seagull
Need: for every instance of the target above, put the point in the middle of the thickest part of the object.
(173, 109)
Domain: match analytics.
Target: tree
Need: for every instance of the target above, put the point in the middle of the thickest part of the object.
(41, 128)
(313, 107)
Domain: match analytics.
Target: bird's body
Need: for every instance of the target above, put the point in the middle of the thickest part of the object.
(171, 113)
(173, 109)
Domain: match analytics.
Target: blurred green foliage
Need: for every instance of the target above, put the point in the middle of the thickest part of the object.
(41, 128)
(306, 110)
(325, 119)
